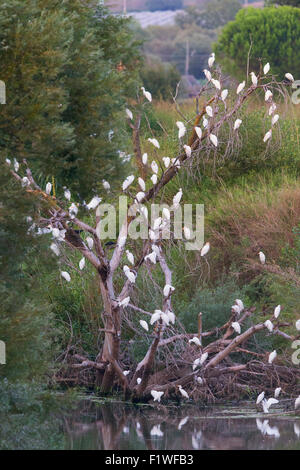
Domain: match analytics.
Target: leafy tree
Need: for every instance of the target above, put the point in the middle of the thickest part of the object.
(154, 5)
(161, 78)
(273, 34)
(67, 80)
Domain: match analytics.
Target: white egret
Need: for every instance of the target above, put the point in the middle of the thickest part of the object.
(195, 341)
(90, 242)
(25, 181)
(198, 131)
(154, 167)
(16, 165)
(48, 188)
(240, 87)
(171, 316)
(177, 197)
(262, 257)
(156, 395)
(209, 111)
(140, 196)
(166, 161)
(260, 398)
(82, 264)
(129, 274)
(94, 203)
(277, 392)
(205, 122)
(268, 95)
(181, 129)
(211, 60)
(168, 289)
(154, 179)
(290, 77)
(129, 114)
(142, 184)
(269, 325)
(268, 135)
(166, 213)
(124, 303)
(236, 309)
(207, 74)
(275, 119)
(297, 403)
(298, 325)
(272, 357)
(240, 303)
(214, 139)
(237, 327)
(127, 182)
(188, 150)
(73, 210)
(144, 325)
(205, 249)
(224, 95)
(268, 403)
(277, 311)
(216, 84)
(126, 372)
(267, 68)
(237, 124)
(187, 232)
(106, 185)
(159, 315)
(65, 275)
(151, 257)
(146, 94)
(8, 161)
(145, 158)
(183, 392)
(130, 257)
(254, 79)
(203, 358)
(156, 431)
(154, 142)
(272, 109)
(182, 423)
(138, 380)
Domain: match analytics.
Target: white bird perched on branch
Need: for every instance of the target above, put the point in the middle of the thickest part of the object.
(183, 392)
(73, 210)
(156, 431)
(237, 124)
(177, 197)
(187, 232)
(154, 179)
(203, 358)
(224, 95)
(211, 60)
(272, 109)
(90, 242)
(277, 311)
(94, 203)
(168, 289)
(151, 257)
(138, 380)
(48, 188)
(214, 139)
(126, 372)
(82, 264)
(260, 398)
(298, 325)
(254, 79)
(297, 403)
(171, 316)
(216, 84)
(142, 184)
(154, 142)
(267, 68)
(262, 257)
(205, 122)
(290, 77)
(236, 309)
(268, 403)
(269, 325)
(182, 423)
(240, 87)
(205, 249)
(156, 395)
(277, 392)
(139, 196)
(272, 357)
(129, 274)
(195, 340)
(144, 325)
(145, 158)
(124, 303)
(26, 182)
(237, 327)
(106, 185)
(159, 315)
(127, 182)
(154, 167)
(240, 303)
(209, 111)
(198, 131)
(268, 95)
(166, 213)
(146, 94)
(16, 165)
(8, 161)
(275, 119)
(130, 257)
(66, 276)
(129, 114)
(207, 74)
(268, 135)
(166, 161)
(188, 150)
(181, 129)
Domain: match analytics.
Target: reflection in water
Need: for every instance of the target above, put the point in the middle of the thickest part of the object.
(118, 426)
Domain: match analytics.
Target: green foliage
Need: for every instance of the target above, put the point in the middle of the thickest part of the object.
(214, 14)
(275, 37)
(160, 78)
(154, 5)
(292, 3)
(67, 80)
